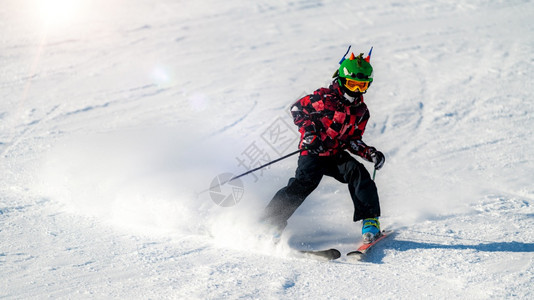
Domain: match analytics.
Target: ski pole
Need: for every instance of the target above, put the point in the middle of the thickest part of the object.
(265, 165)
(253, 170)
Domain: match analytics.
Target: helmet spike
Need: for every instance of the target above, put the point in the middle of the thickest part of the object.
(352, 57)
(343, 58)
(360, 59)
(368, 58)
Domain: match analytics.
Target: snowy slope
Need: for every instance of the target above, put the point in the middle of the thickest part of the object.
(113, 116)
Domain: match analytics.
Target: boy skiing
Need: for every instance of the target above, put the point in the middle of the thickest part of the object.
(331, 121)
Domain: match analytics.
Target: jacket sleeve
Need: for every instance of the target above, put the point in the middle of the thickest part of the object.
(303, 114)
(359, 148)
(356, 145)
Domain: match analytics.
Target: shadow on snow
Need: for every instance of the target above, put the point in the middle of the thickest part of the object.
(378, 253)
(485, 247)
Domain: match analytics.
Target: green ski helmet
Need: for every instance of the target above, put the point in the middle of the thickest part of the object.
(355, 74)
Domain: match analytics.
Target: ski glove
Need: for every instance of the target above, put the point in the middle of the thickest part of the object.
(369, 153)
(377, 157)
(312, 143)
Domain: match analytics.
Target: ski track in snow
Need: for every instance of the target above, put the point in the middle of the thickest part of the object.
(113, 120)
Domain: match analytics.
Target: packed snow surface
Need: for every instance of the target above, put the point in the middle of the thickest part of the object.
(116, 118)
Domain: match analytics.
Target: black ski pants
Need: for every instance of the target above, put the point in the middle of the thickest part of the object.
(311, 168)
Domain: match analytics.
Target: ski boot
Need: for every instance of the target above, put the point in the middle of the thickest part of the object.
(270, 233)
(370, 230)
(273, 236)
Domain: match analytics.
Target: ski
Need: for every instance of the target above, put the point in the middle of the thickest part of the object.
(364, 248)
(329, 254)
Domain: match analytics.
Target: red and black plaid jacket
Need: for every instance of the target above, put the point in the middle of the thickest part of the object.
(333, 119)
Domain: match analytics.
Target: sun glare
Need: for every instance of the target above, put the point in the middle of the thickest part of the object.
(58, 11)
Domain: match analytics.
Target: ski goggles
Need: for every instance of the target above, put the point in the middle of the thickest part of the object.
(356, 85)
